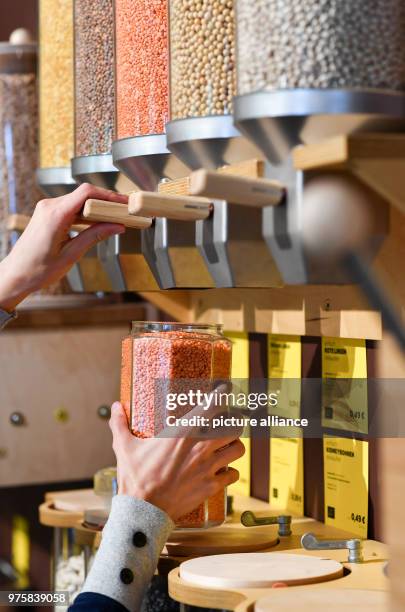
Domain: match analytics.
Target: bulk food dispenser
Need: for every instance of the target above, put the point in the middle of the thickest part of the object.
(224, 248)
(56, 108)
(306, 72)
(18, 135)
(139, 149)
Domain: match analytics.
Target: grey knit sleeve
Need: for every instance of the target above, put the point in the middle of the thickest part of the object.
(132, 541)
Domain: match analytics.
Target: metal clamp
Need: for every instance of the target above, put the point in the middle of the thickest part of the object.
(249, 519)
(355, 546)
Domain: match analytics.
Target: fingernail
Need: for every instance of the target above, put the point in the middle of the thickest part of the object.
(116, 406)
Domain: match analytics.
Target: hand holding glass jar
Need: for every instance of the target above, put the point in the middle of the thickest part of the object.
(175, 473)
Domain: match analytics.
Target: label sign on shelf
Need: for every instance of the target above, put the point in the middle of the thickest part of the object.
(286, 454)
(344, 386)
(240, 373)
(346, 484)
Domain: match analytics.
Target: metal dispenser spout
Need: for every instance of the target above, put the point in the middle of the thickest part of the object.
(55, 182)
(208, 142)
(96, 169)
(146, 160)
(277, 121)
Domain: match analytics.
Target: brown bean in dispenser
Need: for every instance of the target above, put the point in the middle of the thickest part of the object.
(94, 76)
(164, 357)
(18, 132)
(202, 58)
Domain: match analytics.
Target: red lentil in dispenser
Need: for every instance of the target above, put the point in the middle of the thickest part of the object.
(142, 58)
(168, 357)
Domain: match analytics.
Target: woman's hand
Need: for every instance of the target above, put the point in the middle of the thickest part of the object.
(45, 253)
(175, 474)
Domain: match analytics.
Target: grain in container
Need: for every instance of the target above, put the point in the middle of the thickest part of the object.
(94, 92)
(202, 85)
(18, 133)
(142, 93)
(56, 104)
(308, 70)
(158, 358)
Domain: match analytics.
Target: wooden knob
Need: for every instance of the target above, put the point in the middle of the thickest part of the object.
(182, 208)
(113, 212)
(244, 190)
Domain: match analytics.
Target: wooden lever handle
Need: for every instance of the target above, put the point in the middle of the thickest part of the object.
(113, 212)
(236, 189)
(182, 208)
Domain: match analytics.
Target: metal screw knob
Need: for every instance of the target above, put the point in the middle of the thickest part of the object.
(17, 418)
(354, 546)
(104, 411)
(249, 519)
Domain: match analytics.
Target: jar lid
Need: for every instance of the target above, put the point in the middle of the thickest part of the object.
(19, 54)
(170, 326)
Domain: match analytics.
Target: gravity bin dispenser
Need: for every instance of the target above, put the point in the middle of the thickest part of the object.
(217, 244)
(139, 149)
(296, 88)
(95, 116)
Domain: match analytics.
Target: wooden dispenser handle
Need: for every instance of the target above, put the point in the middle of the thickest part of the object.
(18, 223)
(113, 212)
(258, 192)
(182, 208)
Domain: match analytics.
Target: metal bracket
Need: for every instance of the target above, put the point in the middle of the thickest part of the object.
(354, 546)
(211, 240)
(155, 249)
(108, 253)
(249, 519)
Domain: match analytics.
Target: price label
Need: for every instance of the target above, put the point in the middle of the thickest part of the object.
(344, 386)
(346, 484)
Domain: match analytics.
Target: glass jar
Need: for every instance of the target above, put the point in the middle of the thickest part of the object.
(142, 67)
(18, 135)
(56, 83)
(202, 58)
(94, 76)
(320, 44)
(170, 356)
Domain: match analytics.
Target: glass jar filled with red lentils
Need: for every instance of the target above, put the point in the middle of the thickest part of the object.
(163, 358)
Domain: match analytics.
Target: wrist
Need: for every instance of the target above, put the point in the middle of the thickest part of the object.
(11, 293)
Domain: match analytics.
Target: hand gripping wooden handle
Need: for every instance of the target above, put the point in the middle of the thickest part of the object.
(182, 208)
(258, 192)
(113, 212)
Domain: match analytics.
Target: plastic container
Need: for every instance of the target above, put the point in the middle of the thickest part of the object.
(320, 44)
(202, 58)
(170, 357)
(94, 76)
(56, 83)
(18, 132)
(142, 67)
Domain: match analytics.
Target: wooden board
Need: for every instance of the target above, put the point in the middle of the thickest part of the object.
(221, 540)
(258, 570)
(58, 378)
(319, 600)
(78, 500)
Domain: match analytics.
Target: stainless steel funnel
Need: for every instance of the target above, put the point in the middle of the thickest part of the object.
(55, 182)
(277, 121)
(146, 160)
(208, 142)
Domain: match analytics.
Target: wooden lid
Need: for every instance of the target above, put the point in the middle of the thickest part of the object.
(258, 570)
